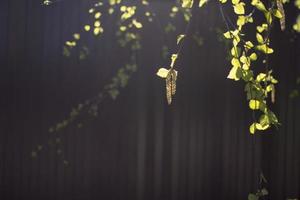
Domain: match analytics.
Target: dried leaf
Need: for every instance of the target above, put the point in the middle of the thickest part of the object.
(174, 78)
(171, 85)
(273, 95)
(282, 19)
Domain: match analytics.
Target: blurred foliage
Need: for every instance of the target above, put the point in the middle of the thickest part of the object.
(248, 57)
(295, 93)
(130, 21)
(243, 51)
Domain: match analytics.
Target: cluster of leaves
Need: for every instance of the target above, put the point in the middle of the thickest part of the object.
(262, 192)
(189, 3)
(245, 52)
(296, 26)
(84, 112)
(128, 36)
(258, 86)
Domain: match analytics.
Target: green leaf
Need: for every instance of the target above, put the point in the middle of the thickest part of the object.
(173, 59)
(235, 62)
(235, 73)
(296, 26)
(254, 104)
(252, 130)
(259, 5)
(277, 14)
(234, 52)
(265, 49)
(269, 17)
(261, 76)
(97, 15)
(239, 8)
(187, 3)
(179, 38)
(249, 45)
(137, 24)
(264, 192)
(264, 122)
(244, 59)
(241, 20)
(247, 75)
(202, 2)
(253, 197)
(262, 28)
(259, 38)
(76, 36)
(87, 27)
(227, 35)
(272, 117)
(253, 56)
(162, 72)
(235, 1)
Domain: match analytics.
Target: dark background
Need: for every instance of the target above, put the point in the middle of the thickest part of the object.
(138, 148)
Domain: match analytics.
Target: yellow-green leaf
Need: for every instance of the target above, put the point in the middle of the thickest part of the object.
(76, 36)
(253, 56)
(239, 8)
(252, 128)
(265, 49)
(180, 37)
(97, 15)
(227, 35)
(235, 62)
(254, 104)
(277, 14)
(259, 38)
(173, 59)
(187, 3)
(234, 73)
(162, 72)
(202, 2)
(87, 27)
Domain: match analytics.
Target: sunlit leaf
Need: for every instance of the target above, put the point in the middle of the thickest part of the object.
(254, 104)
(87, 27)
(180, 37)
(239, 8)
(259, 38)
(76, 36)
(235, 73)
(173, 59)
(202, 2)
(265, 49)
(162, 72)
(187, 3)
(253, 56)
(97, 15)
(252, 130)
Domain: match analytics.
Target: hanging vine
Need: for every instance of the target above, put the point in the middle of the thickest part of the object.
(128, 33)
(249, 58)
(259, 85)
